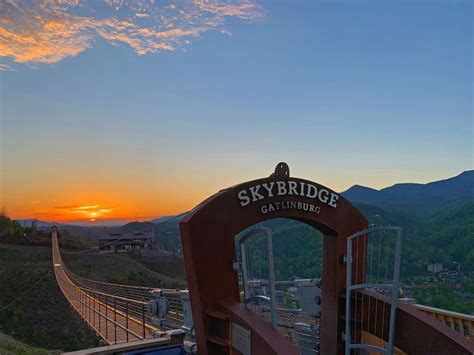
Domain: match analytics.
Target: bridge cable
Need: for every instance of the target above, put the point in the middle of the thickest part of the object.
(25, 292)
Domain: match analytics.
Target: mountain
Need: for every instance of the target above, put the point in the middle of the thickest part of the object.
(418, 199)
(162, 219)
(135, 227)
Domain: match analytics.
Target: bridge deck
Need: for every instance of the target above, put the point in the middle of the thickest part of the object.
(115, 319)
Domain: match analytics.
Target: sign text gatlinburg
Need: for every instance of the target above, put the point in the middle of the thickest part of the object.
(288, 188)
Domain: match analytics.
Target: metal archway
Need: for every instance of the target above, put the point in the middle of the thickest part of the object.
(209, 252)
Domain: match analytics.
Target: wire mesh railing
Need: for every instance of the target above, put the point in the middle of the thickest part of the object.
(300, 328)
(291, 306)
(373, 265)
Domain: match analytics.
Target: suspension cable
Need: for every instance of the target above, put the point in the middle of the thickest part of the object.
(25, 292)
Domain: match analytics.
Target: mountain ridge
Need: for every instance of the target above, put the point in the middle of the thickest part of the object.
(421, 199)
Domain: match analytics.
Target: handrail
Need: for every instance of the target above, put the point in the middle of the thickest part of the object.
(117, 313)
(459, 322)
(418, 333)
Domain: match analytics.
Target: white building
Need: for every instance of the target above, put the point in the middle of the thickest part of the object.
(435, 268)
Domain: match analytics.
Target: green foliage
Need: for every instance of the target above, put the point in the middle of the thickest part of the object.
(167, 235)
(443, 296)
(451, 236)
(9, 345)
(291, 303)
(42, 317)
(9, 227)
(445, 237)
(297, 250)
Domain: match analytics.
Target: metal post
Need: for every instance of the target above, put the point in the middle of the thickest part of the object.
(93, 312)
(396, 279)
(143, 320)
(115, 320)
(126, 319)
(348, 295)
(106, 319)
(245, 275)
(89, 308)
(271, 276)
(99, 313)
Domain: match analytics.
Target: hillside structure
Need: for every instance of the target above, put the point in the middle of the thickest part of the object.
(119, 242)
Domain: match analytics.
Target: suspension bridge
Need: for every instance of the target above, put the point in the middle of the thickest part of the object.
(117, 313)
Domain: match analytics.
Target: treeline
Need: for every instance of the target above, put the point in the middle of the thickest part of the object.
(297, 250)
(9, 227)
(445, 237)
(11, 232)
(445, 297)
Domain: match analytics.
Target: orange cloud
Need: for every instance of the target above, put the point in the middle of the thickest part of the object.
(48, 31)
(86, 211)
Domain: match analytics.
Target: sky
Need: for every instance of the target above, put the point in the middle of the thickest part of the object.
(124, 110)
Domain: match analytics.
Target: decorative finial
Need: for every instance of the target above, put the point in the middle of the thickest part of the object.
(282, 170)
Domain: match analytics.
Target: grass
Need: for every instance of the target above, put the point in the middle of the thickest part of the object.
(121, 269)
(42, 317)
(8, 345)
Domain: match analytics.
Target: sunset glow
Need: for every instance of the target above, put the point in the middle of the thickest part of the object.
(131, 110)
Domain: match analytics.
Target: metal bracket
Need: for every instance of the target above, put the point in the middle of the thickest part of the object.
(236, 266)
(282, 170)
(343, 336)
(346, 259)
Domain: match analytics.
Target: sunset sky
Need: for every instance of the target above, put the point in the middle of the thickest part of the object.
(116, 109)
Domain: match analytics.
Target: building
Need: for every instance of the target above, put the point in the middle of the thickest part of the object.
(435, 268)
(118, 242)
(34, 225)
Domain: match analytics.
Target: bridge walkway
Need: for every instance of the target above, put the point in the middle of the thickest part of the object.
(117, 313)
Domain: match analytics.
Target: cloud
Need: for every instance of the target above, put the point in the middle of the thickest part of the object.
(88, 211)
(48, 31)
(68, 207)
(82, 208)
(5, 67)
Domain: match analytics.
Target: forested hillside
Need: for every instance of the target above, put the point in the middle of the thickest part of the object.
(418, 199)
(445, 237)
